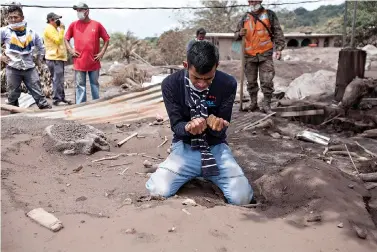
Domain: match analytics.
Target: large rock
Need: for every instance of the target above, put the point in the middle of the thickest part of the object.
(315, 84)
(73, 138)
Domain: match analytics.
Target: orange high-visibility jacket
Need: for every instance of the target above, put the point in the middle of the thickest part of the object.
(257, 39)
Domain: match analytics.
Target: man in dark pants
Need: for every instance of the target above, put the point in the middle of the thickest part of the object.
(20, 42)
(56, 56)
(262, 33)
(199, 102)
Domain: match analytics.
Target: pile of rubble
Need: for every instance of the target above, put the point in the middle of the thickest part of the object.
(128, 77)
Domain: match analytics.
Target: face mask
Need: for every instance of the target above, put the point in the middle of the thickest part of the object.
(81, 15)
(193, 87)
(255, 8)
(17, 25)
(57, 22)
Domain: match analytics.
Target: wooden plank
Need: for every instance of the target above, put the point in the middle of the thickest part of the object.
(351, 64)
(294, 108)
(301, 113)
(242, 71)
(369, 177)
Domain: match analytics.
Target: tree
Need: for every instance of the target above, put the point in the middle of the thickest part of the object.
(123, 45)
(172, 45)
(222, 19)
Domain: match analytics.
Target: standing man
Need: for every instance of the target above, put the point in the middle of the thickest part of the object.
(86, 52)
(199, 102)
(262, 32)
(200, 35)
(20, 42)
(56, 55)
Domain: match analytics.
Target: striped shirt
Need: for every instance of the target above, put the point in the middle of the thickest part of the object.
(21, 61)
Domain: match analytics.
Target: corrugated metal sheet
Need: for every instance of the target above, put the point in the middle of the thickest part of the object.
(123, 108)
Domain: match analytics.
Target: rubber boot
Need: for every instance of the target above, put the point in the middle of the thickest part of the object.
(253, 103)
(266, 105)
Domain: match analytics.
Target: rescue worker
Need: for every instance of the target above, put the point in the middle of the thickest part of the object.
(262, 33)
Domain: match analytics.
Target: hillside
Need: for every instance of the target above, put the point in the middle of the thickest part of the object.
(317, 20)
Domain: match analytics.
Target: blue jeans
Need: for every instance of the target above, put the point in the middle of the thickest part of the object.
(184, 164)
(81, 85)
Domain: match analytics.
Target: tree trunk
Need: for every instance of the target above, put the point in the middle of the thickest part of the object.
(351, 64)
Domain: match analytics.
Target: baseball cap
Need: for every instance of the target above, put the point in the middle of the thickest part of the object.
(80, 5)
(52, 15)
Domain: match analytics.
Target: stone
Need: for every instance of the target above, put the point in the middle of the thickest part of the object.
(127, 201)
(351, 186)
(82, 221)
(313, 217)
(82, 198)
(69, 152)
(147, 164)
(172, 229)
(145, 206)
(276, 135)
(130, 231)
(361, 233)
(79, 168)
(340, 225)
(189, 202)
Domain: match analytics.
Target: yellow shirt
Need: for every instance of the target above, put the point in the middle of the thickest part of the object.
(54, 43)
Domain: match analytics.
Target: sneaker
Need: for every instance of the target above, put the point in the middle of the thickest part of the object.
(56, 103)
(69, 102)
(47, 106)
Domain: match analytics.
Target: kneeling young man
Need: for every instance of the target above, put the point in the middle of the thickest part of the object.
(199, 102)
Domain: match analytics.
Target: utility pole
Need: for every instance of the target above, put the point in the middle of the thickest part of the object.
(345, 25)
(353, 25)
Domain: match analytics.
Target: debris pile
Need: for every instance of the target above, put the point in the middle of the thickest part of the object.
(73, 138)
(320, 83)
(127, 76)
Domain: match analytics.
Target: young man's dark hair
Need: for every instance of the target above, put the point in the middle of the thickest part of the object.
(203, 55)
(15, 8)
(201, 31)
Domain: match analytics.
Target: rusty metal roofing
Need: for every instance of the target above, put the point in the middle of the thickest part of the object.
(121, 108)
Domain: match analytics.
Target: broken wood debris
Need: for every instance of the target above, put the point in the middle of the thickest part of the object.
(126, 139)
(186, 212)
(329, 120)
(108, 158)
(154, 158)
(122, 173)
(353, 163)
(164, 142)
(366, 150)
(45, 219)
(111, 166)
(259, 121)
(369, 177)
(370, 185)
